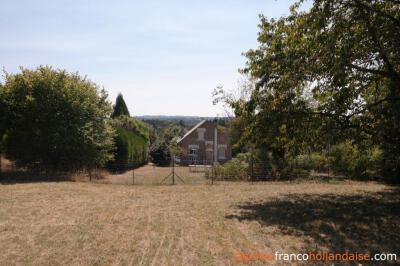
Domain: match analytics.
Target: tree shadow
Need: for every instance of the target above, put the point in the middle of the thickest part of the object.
(12, 177)
(339, 223)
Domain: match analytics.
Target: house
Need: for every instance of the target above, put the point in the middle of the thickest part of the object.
(205, 143)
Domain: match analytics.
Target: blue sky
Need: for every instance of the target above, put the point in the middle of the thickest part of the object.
(165, 57)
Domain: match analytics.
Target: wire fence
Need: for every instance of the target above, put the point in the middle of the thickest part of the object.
(178, 172)
(151, 174)
(188, 172)
(252, 172)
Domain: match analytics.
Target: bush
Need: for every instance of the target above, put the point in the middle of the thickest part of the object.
(237, 168)
(349, 160)
(302, 161)
(233, 169)
(301, 165)
(319, 162)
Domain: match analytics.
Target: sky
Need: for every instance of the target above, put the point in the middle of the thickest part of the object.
(164, 56)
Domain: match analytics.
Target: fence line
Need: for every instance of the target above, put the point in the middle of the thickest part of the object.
(185, 172)
(178, 172)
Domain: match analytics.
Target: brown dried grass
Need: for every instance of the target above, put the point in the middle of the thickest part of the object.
(72, 223)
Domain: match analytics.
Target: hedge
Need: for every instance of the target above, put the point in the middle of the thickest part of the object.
(131, 142)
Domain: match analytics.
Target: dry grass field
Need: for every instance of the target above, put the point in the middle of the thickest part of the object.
(75, 223)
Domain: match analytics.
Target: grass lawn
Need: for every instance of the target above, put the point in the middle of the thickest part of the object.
(74, 223)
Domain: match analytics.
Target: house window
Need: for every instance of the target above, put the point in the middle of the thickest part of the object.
(193, 152)
(200, 133)
(221, 153)
(209, 145)
(192, 149)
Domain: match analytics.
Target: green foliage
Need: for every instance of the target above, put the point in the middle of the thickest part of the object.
(237, 168)
(349, 160)
(303, 161)
(334, 68)
(132, 143)
(120, 108)
(161, 154)
(164, 146)
(133, 125)
(3, 125)
(317, 162)
(131, 150)
(55, 119)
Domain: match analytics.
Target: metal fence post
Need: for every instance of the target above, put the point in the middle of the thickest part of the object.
(212, 174)
(252, 170)
(173, 171)
(133, 176)
(329, 163)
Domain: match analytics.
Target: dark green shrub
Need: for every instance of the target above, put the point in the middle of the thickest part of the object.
(132, 144)
(120, 108)
(161, 154)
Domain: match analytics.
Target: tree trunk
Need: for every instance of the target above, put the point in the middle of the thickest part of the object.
(391, 135)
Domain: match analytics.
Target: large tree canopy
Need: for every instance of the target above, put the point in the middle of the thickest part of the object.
(55, 119)
(330, 72)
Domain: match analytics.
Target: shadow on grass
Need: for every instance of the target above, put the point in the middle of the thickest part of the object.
(356, 223)
(21, 176)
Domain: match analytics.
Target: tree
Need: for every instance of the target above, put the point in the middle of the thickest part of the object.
(120, 107)
(326, 75)
(3, 111)
(161, 154)
(55, 119)
(165, 147)
(132, 138)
